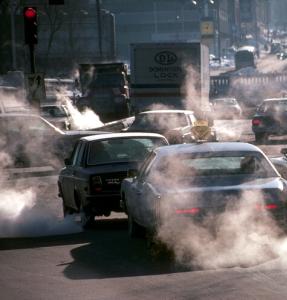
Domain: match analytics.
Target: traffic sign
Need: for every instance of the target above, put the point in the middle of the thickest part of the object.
(207, 28)
(35, 86)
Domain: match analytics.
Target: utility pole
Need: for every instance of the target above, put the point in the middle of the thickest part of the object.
(99, 17)
(13, 39)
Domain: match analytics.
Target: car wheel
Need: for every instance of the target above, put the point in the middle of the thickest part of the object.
(66, 210)
(261, 138)
(134, 229)
(87, 219)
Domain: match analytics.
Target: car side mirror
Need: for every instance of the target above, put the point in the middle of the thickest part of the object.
(284, 151)
(132, 173)
(67, 161)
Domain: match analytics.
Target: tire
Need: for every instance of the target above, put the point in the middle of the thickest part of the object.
(66, 210)
(261, 138)
(87, 219)
(134, 229)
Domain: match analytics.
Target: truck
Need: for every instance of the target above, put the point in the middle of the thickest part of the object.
(105, 90)
(172, 75)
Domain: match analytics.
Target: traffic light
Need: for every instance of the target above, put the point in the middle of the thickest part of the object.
(30, 25)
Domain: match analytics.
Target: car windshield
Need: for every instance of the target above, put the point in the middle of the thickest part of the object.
(273, 106)
(57, 85)
(158, 122)
(108, 80)
(53, 111)
(217, 164)
(122, 149)
(225, 102)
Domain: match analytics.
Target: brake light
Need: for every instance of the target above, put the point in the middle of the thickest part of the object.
(96, 183)
(269, 206)
(256, 122)
(191, 211)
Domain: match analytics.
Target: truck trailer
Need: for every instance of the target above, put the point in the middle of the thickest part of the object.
(171, 75)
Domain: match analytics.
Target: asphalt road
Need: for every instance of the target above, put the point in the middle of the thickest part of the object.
(43, 256)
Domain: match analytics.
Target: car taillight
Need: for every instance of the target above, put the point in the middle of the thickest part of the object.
(96, 183)
(256, 122)
(191, 211)
(269, 206)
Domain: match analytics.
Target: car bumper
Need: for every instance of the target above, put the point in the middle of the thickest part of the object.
(104, 203)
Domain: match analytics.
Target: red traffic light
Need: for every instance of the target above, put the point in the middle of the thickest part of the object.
(30, 13)
(30, 25)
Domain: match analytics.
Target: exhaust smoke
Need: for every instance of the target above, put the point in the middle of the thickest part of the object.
(235, 230)
(29, 205)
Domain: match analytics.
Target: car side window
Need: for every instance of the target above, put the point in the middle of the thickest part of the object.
(192, 119)
(80, 154)
(76, 154)
(143, 172)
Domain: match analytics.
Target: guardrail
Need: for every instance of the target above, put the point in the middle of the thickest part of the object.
(222, 84)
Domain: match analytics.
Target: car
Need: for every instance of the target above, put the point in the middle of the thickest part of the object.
(226, 108)
(280, 162)
(57, 114)
(270, 119)
(13, 100)
(29, 140)
(175, 125)
(201, 180)
(90, 182)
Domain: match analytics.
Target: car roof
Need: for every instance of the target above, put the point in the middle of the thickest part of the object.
(52, 105)
(275, 99)
(19, 114)
(223, 99)
(207, 147)
(83, 132)
(105, 136)
(164, 111)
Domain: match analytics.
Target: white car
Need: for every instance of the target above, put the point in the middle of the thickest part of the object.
(199, 180)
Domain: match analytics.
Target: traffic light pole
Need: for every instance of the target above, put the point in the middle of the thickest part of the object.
(32, 58)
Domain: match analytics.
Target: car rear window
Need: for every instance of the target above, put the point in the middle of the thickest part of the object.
(121, 149)
(204, 164)
(276, 106)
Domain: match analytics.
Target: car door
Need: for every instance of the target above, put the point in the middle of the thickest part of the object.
(80, 179)
(141, 193)
(67, 182)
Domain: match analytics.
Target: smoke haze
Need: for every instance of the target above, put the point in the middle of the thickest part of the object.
(29, 205)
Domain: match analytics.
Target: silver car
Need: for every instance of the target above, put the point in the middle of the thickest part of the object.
(226, 108)
(199, 180)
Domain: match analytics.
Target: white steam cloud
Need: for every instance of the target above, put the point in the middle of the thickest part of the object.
(241, 236)
(238, 230)
(29, 205)
(31, 208)
(86, 119)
